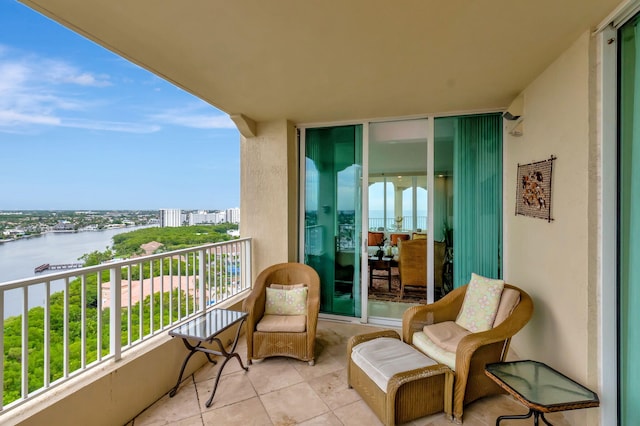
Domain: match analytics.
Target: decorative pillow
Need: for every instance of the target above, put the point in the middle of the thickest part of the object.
(508, 302)
(286, 301)
(480, 303)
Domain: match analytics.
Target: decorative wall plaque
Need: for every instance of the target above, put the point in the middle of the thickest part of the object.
(533, 194)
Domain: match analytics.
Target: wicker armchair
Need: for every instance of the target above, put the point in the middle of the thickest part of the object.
(300, 345)
(475, 350)
(412, 264)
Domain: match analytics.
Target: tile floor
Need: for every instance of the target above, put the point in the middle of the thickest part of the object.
(382, 309)
(283, 392)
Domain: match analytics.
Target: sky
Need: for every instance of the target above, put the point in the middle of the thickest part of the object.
(82, 128)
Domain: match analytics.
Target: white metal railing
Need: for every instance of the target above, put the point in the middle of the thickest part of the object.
(67, 326)
(390, 224)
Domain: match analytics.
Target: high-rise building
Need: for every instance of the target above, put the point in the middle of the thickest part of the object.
(170, 217)
(233, 215)
(203, 217)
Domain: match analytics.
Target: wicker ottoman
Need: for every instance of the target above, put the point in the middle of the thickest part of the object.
(409, 394)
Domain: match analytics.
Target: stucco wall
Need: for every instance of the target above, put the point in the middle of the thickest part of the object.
(268, 189)
(554, 261)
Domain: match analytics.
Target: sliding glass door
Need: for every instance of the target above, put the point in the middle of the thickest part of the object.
(333, 214)
(629, 224)
(450, 208)
(397, 214)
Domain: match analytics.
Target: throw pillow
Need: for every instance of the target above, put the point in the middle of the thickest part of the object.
(286, 301)
(480, 303)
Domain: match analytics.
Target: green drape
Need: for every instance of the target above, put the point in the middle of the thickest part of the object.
(629, 225)
(477, 197)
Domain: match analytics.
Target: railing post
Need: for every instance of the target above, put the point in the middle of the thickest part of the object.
(2, 348)
(25, 342)
(201, 274)
(115, 319)
(247, 265)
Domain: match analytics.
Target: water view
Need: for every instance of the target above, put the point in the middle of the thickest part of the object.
(18, 259)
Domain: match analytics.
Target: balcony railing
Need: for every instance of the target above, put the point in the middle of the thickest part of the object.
(390, 223)
(67, 326)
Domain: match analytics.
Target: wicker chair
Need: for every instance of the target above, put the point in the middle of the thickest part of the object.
(475, 350)
(412, 264)
(300, 345)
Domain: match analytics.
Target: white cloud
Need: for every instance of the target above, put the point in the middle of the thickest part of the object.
(112, 126)
(9, 118)
(37, 91)
(58, 72)
(195, 116)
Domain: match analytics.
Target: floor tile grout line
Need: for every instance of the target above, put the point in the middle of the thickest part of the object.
(195, 386)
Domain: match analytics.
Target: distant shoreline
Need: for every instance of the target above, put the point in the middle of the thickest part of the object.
(70, 231)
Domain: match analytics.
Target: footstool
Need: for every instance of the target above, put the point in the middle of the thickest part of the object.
(398, 382)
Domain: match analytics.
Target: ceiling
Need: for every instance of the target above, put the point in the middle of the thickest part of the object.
(314, 61)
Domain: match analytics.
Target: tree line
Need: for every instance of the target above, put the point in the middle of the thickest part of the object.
(83, 308)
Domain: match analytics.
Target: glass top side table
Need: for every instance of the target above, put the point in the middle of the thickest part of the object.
(204, 329)
(540, 388)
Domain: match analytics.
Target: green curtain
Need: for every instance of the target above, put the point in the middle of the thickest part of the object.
(629, 225)
(477, 197)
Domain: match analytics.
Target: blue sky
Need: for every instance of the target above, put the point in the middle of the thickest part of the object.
(82, 128)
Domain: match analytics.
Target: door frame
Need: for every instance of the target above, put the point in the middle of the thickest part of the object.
(301, 209)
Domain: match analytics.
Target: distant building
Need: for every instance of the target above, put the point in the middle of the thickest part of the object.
(170, 218)
(203, 217)
(233, 215)
(64, 225)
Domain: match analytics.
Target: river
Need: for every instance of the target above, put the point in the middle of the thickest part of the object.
(19, 258)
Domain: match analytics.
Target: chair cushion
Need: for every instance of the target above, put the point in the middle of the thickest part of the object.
(446, 334)
(282, 323)
(290, 301)
(433, 351)
(508, 302)
(480, 303)
(375, 238)
(382, 358)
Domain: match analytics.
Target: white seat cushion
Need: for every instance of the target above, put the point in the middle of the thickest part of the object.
(446, 334)
(382, 358)
(433, 351)
(282, 323)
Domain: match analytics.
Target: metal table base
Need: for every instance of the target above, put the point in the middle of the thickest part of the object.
(208, 352)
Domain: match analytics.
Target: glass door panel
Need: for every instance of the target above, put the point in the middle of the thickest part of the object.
(629, 224)
(443, 214)
(333, 212)
(397, 212)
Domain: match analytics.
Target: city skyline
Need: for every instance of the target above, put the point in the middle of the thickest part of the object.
(83, 129)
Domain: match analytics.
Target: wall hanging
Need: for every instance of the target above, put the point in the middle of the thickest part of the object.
(533, 193)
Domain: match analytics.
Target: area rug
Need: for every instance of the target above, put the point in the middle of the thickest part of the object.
(380, 290)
